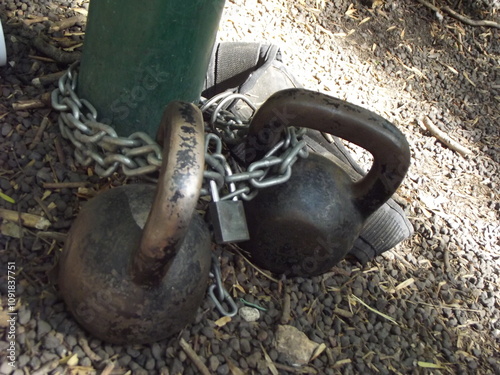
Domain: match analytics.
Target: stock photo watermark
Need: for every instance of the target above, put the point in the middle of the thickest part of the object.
(12, 314)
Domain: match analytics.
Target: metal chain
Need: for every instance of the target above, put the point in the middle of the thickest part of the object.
(138, 154)
(218, 293)
(98, 144)
(226, 128)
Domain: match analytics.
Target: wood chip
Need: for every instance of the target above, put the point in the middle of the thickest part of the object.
(233, 368)
(65, 185)
(285, 316)
(25, 219)
(28, 104)
(221, 322)
(343, 313)
(82, 341)
(67, 23)
(270, 364)
(31, 21)
(47, 79)
(39, 133)
(194, 357)
(444, 138)
(319, 350)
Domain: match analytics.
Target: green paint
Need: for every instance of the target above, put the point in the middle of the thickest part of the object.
(139, 56)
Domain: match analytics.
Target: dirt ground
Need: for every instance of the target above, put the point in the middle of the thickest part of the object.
(429, 306)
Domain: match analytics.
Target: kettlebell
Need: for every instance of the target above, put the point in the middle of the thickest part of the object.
(135, 266)
(306, 225)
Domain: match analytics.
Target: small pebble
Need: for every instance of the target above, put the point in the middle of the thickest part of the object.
(249, 314)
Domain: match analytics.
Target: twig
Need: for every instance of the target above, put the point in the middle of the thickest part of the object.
(343, 313)
(270, 364)
(82, 341)
(108, 369)
(460, 17)
(64, 185)
(67, 23)
(46, 79)
(373, 310)
(59, 237)
(24, 219)
(46, 368)
(42, 58)
(254, 266)
(233, 368)
(28, 104)
(469, 21)
(44, 208)
(446, 259)
(39, 133)
(59, 150)
(285, 316)
(33, 20)
(194, 357)
(41, 44)
(443, 137)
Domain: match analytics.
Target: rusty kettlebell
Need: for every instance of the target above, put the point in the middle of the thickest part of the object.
(306, 225)
(135, 265)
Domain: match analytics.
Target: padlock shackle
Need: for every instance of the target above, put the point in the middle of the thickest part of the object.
(314, 110)
(181, 175)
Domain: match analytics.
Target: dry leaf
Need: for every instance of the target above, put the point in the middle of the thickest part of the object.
(10, 229)
(70, 360)
(468, 79)
(72, 48)
(350, 11)
(240, 288)
(365, 20)
(320, 349)
(5, 197)
(352, 297)
(233, 368)
(428, 365)
(269, 361)
(341, 363)
(404, 284)
(452, 69)
(83, 11)
(222, 321)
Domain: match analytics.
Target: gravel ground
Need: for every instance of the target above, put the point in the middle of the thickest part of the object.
(429, 306)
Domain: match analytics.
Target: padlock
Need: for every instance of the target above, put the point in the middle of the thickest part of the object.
(228, 218)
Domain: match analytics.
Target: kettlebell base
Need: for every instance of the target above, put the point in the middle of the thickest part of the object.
(95, 281)
(306, 226)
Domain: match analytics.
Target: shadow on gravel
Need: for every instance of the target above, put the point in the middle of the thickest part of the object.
(447, 64)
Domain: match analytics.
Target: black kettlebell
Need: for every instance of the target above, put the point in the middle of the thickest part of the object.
(135, 266)
(308, 224)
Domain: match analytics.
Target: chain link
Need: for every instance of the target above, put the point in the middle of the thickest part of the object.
(98, 144)
(227, 128)
(218, 293)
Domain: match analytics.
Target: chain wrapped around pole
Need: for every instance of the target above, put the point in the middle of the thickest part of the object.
(99, 145)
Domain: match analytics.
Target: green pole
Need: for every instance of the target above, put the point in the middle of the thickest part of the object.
(140, 55)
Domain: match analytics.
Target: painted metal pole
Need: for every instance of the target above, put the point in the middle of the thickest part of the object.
(140, 55)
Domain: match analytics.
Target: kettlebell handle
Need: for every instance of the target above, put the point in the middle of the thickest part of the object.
(314, 110)
(181, 175)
